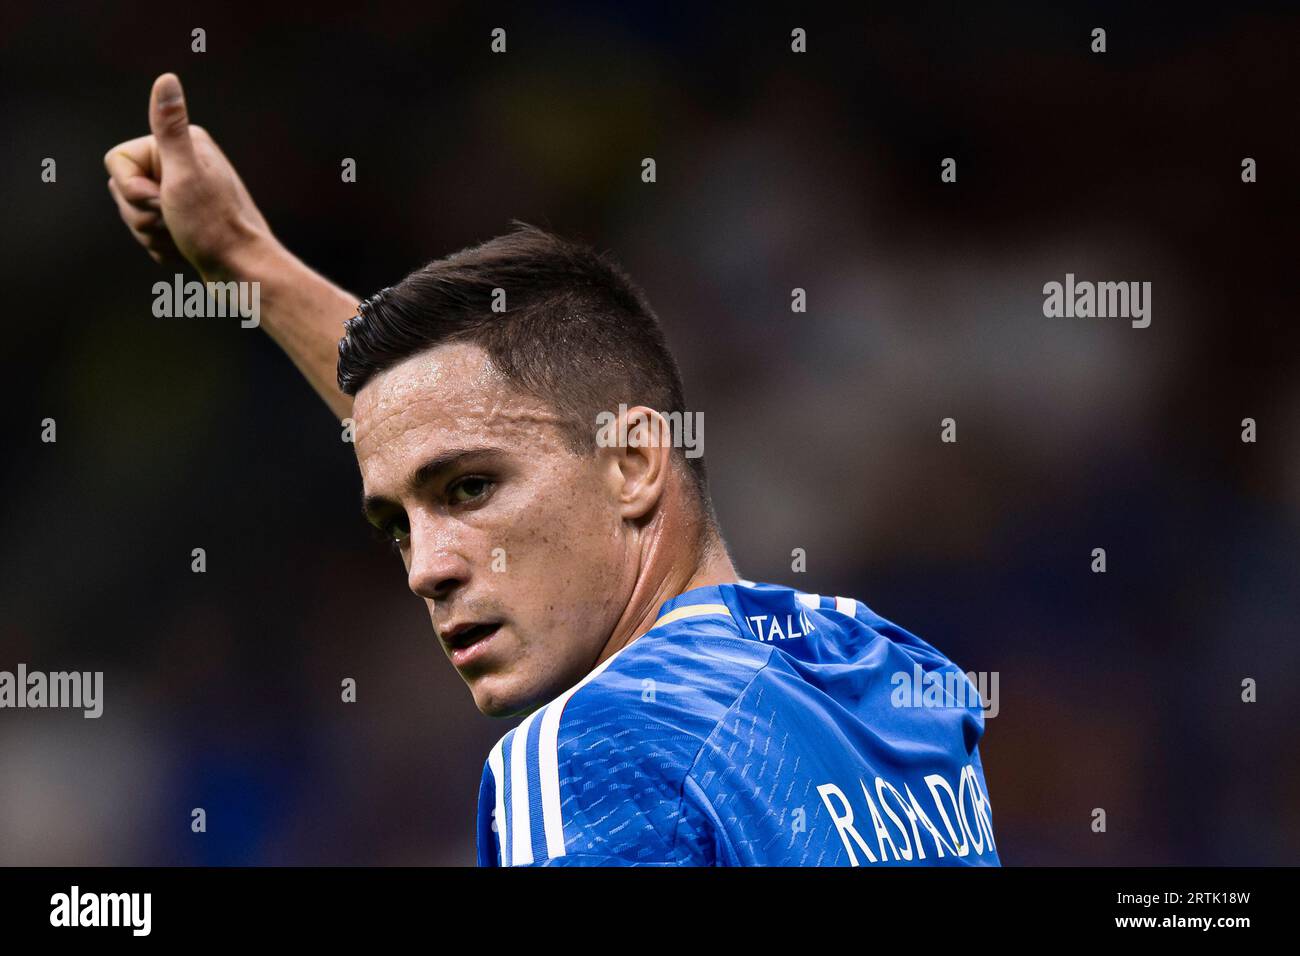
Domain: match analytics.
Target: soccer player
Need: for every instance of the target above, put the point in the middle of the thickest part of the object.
(674, 713)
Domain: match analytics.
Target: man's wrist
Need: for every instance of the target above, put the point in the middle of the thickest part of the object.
(259, 258)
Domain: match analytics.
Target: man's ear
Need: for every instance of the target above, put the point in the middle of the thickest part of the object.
(638, 448)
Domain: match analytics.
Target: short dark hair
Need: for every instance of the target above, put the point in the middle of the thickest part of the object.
(577, 332)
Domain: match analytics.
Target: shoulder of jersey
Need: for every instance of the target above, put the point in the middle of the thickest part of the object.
(600, 770)
(603, 764)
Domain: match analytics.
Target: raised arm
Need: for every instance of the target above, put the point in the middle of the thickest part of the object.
(183, 201)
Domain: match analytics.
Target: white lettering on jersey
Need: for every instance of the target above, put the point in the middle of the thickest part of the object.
(967, 832)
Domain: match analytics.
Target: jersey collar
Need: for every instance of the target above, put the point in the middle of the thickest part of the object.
(696, 602)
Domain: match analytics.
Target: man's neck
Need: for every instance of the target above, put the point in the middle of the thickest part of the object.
(653, 589)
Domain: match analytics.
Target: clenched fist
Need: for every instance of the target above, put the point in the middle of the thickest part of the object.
(179, 195)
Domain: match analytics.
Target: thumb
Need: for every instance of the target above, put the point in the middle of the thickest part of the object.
(169, 122)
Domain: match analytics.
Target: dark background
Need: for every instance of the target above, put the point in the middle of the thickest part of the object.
(775, 170)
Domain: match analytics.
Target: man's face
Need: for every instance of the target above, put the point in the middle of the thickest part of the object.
(515, 542)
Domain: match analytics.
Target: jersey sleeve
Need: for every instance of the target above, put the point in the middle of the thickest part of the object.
(600, 787)
(598, 775)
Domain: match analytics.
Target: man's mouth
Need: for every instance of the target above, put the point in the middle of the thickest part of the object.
(468, 640)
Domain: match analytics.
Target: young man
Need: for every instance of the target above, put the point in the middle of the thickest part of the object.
(676, 714)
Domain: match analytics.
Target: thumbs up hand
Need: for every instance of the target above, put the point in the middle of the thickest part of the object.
(179, 195)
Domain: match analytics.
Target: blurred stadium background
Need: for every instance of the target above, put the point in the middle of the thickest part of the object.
(1118, 691)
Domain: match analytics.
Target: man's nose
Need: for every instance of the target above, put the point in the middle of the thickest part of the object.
(438, 567)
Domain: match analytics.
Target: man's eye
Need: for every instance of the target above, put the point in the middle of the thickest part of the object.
(468, 489)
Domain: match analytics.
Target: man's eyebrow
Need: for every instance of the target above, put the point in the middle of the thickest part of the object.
(371, 505)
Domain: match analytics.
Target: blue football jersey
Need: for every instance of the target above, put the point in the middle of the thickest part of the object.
(752, 725)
